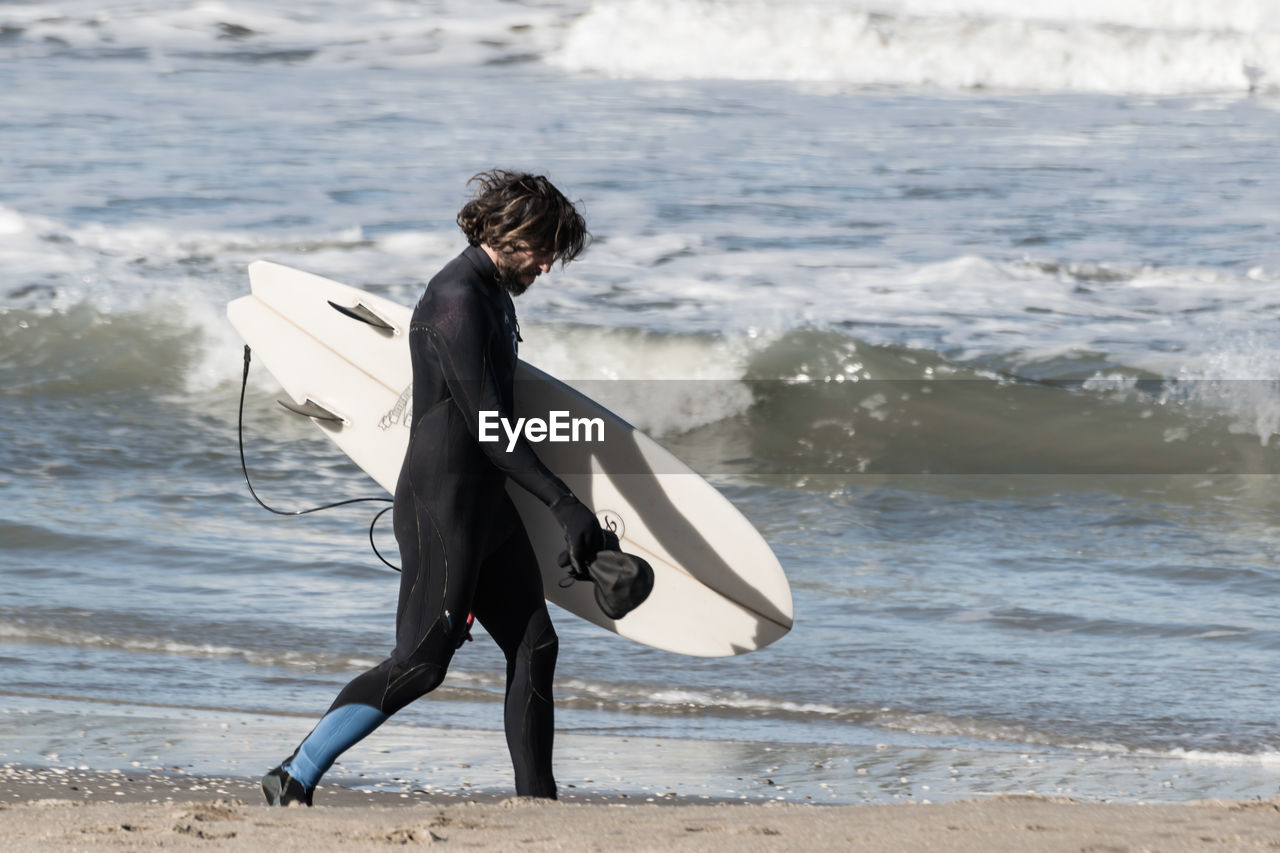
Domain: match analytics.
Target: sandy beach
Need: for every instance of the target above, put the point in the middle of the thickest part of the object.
(48, 809)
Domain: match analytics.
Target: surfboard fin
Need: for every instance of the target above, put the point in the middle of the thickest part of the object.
(311, 409)
(365, 314)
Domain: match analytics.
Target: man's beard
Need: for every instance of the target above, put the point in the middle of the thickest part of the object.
(511, 284)
(508, 279)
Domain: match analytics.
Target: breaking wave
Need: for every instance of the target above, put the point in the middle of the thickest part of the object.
(1126, 47)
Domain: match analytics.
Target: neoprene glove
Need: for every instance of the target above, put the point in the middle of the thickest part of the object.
(582, 534)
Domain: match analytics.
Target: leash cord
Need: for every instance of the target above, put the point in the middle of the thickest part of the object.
(244, 468)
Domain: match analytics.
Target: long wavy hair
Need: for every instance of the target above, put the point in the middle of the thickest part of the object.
(515, 211)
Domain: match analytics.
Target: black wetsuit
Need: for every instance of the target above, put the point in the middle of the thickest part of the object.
(462, 546)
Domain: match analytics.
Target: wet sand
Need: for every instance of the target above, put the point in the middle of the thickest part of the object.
(59, 809)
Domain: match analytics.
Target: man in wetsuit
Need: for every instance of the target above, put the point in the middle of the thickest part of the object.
(463, 548)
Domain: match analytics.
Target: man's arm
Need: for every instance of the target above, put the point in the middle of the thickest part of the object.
(461, 337)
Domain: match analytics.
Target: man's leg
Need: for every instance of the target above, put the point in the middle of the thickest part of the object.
(509, 604)
(433, 591)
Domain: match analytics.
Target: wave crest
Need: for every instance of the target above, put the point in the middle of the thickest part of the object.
(976, 45)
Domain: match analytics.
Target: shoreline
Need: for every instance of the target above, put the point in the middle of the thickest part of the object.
(21, 784)
(59, 809)
(412, 755)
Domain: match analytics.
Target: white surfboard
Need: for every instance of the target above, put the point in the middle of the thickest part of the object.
(342, 355)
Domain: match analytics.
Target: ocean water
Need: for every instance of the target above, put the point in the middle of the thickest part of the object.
(968, 308)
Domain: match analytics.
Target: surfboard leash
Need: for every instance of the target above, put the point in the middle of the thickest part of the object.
(244, 468)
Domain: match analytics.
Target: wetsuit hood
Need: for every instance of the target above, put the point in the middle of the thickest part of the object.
(622, 581)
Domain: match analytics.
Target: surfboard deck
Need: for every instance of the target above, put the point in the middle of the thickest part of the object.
(342, 356)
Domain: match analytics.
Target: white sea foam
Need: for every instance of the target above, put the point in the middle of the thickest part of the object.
(577, 354)
(719, 308)
(1136, 46)
(22, 632)
(1233, 15)
(1265, 759)
(1092, 46)
(700, 700)
(388, 33)
(1240, 375)
(1002, 735)
(921, 729)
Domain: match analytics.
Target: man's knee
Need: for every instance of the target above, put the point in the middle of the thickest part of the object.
(423, 674)
(419, 669)
(540, 645)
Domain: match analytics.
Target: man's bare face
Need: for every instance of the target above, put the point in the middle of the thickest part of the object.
(519, 269)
